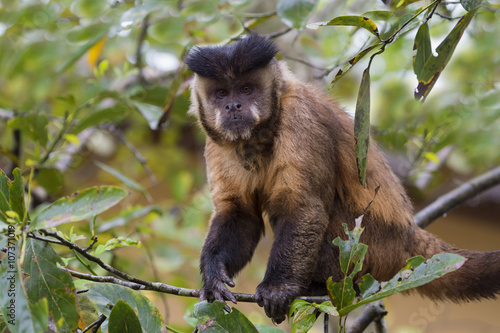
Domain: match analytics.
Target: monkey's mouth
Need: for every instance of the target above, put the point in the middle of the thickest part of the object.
(238, 125)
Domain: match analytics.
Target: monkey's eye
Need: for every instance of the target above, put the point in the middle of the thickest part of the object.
(246, 90)
(221, 93)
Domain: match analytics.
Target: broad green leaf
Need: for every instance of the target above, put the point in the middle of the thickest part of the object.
(124, 179)
(79, 206)
(128, 215)
(123, 319)
(213, 319)
(295, 13)
(151, 113)
(416, 273)
(103, 294)
(352, 252)
(4, 194)
(20, 315)
(354, 21)
(112, 114)
(114, 243)
(436, 64)
(382, 15)
(46, 281)
(16, 194)
(34, 124)
(86, 310)
(342, 293)
(327, 307)
(296, 304)
(423, 48)
(353, 61)
(362, 125)
(306, 324)
(302, 313)
(470, 4)
(268, 329)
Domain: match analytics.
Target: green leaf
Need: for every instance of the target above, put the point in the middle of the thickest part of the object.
(354, 21)
(79, 206)
(342, 293)
(87, 311)
(151, 113)
(103, 294)
(128, 215)
(268, 329)
(352, 252)
(124, 179)
(327, 307)
(416, 273)
(46, 281)
(470, 4)
(112, 114)
(213, 319)
(296, 304)
(436, 64)
(295, 13)
(306, 324)
(301, 313)
(123, 319)
(353, 61)
(382, 15)
(16, 194)
(423, 48)
(116, 242)
(362, 125)
(19, 314)
(4, 194)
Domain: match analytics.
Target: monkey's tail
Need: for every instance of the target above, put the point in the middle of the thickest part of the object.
(478, 278)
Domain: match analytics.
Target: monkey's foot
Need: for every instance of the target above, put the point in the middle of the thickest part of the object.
(276, 299)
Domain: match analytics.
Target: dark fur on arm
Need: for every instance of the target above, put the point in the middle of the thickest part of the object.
(229, 246)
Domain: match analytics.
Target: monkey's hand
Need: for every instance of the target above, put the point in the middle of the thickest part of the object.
(276, 299)
(215, 285)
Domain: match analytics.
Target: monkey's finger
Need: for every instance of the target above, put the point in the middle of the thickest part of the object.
(227, 308)
(226, 279)
(203, 295)
(229, 296)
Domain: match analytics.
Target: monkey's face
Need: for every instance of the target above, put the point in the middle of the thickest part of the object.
(232, 107)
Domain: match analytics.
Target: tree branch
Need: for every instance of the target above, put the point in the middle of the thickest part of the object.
(126, 280)
(373, 312)
(457, 196)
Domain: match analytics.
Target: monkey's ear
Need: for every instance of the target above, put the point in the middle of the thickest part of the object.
(247, 54)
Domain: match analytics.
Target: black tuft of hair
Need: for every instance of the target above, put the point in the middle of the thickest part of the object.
(244, 55)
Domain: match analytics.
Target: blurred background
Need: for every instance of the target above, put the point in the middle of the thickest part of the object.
(95, 93)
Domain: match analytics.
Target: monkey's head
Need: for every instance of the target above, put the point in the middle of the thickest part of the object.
(235, 87)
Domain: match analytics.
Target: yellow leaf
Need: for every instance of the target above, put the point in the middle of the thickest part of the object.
(72, 139)
(95, 52)
(431, 157)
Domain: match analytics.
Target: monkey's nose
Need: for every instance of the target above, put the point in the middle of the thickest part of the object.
(233, 107)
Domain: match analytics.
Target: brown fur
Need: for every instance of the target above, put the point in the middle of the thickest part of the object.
(297, 170)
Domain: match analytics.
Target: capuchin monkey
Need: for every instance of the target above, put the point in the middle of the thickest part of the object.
(279, 150)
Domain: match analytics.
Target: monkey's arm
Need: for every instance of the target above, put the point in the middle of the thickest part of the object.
(299, 229)
(234, 233)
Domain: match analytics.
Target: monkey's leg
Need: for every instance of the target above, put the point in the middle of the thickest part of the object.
(229, 246)
(298, 238)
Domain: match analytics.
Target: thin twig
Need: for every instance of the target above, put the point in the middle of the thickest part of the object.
(308, 64)
(452, 199)
(135, 283)
(95, 325)
(279, 33)
(449, 18)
